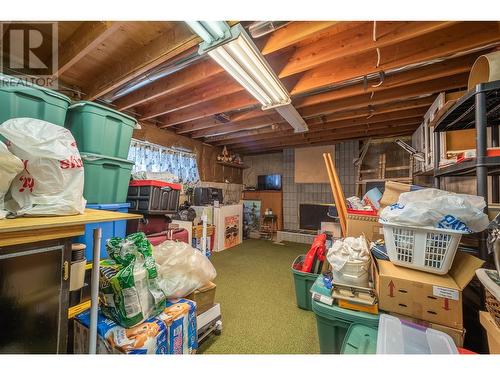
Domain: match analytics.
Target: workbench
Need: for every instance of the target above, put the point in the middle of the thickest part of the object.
(35, 258)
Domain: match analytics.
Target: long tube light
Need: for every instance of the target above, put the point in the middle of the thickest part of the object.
(238, 55)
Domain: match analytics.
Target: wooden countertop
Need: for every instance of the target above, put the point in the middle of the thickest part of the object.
(33, 229)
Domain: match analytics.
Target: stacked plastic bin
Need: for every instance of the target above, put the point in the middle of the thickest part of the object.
(20, 99)
(103, 137)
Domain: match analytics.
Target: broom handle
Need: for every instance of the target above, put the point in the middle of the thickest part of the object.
(336, 197)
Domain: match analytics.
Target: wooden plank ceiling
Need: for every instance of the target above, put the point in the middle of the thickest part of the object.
(349, 80)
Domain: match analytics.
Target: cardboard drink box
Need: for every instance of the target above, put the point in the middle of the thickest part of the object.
(204, 297)
(393, 190)
(359, 222)
(426, 296)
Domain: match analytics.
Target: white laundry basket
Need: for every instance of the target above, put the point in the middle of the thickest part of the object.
(423, 248)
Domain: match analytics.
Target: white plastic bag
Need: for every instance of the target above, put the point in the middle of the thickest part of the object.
(51, 182)
(350, 260)
(182, 268)
(10, 166)
(439, 209)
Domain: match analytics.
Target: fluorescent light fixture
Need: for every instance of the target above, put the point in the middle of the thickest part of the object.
(212, 32)
(239, 56)
(290, 114)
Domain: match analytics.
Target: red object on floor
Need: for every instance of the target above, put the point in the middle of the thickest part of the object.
(465, 351)
(317, 250)
(176, 235)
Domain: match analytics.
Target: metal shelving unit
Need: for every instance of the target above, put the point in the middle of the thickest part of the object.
(479, 108)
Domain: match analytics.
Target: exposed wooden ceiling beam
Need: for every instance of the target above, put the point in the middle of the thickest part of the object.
(322, 129)
(328, 138)
(387, 96)
(320, 124)
(295, 32)
(241, 99)
(212, 89)
(169, 44)
(355, 41)
(83, 40)
(189, 77)
(457, 38)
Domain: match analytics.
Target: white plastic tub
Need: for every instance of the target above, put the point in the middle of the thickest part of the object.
(423, 248)
(400, 337)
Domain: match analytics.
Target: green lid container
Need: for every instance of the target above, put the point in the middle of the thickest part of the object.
(106, 178)
(21, 99)
(333, 322)
(303, 282)
(100, 130)
(360, 339)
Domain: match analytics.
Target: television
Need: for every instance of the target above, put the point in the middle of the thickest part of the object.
(269, 182)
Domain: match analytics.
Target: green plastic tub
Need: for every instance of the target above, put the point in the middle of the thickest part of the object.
(106, 178)
(333, 322)
(100, 130)
(19, 99)
(360, 339)
(303, 282)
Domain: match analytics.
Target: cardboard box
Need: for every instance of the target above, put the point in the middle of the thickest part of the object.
(358, 224)
(204, 297)
(426, 296)
(457, 335)
(392, 192)
(492, 331)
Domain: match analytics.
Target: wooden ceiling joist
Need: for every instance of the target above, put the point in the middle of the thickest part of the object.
(189, 77)
(169, 44)
(83, 40)
(355, 41)
(457, 38)
(212, 89)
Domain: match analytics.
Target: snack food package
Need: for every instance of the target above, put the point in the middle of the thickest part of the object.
(128, 283)
(51, 181)
(180, 318)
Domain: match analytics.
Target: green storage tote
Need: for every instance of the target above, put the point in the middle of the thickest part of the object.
(20, 99)
(360, 339)
(303, 282)
(100, 130)
(333, 322)
(106, 178)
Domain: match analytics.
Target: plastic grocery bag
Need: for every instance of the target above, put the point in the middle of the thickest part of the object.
(10, 166)
(182, 268)
(128, 283)
(439, 209)
(51, 182)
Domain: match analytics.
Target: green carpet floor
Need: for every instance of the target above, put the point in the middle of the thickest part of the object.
(257, 296)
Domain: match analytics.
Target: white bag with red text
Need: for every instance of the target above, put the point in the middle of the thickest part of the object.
(10, 166)
(51, 182)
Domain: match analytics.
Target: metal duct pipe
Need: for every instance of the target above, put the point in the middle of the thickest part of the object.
(260, 28)
(161, 71)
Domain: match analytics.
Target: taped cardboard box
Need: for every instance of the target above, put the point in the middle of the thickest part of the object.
(359, 223)
(425, 296)
(204, 297)
(457, 335)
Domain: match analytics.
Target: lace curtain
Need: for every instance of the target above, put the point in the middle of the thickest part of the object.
(150, 157)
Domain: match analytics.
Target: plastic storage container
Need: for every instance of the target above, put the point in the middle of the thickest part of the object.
(100, 130)
(333, 322)
(153, 197)
(106, 178)
(427, 249)
(19, 99)
(303, 282)
(109, 229)
(360, 339)
(397, 336)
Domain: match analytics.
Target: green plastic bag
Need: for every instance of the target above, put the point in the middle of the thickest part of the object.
(128, 284)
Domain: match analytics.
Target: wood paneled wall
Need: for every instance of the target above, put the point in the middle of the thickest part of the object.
(206, 154)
